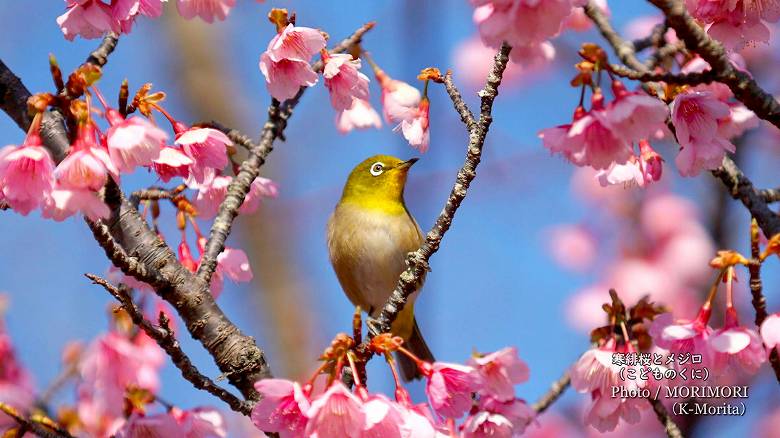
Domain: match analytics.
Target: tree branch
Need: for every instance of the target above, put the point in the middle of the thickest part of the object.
(623, 49)
(165, 338)
(250, 168)
(42, 427)
(744, 87)
(457, 100)
(672, 78)
(557, 389)
(100, 55)
(418, 261)
(741, 188)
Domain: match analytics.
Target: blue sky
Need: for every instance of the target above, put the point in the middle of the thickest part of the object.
(492, 282)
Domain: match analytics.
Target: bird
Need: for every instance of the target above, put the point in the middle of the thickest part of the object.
(369, 234)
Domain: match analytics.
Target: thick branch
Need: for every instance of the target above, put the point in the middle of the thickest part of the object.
(165, 338)
(137, 250)
(744, 87)
(250, 168)
(741, 188)
(556, 390)
(418, 260)
(100, 55)
(672, 431)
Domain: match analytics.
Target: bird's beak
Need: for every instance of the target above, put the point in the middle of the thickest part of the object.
(407, 164)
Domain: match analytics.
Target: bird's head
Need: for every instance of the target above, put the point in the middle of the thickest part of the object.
(378, 184)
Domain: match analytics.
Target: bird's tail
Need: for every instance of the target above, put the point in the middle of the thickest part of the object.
(416, 344)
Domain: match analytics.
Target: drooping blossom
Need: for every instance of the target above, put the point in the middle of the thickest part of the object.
(500, 372)
(213, 189)
(634, 116)
(111, 364)
(62, 203)
(133, 142)
(285, 63)
(233, 263)
(684, 336)
(282, 408)
(484, 424)
(361, 115)
(515, 410)
(87, 165)
(589, 140)
(736, 23)
(638, 170)
(736, 347)
(418, 422)
(383, 419)
(26, 174)
(770, 330)
(519, 22)
(200, 422)
(207, 10)
(695, 116)
(172, 162)
(344, 80)
(87, 18)
(595, 373)
(336, 413)
(416, 129)
(449, 387)
(399, 99)
(140, 425)
(207, 147)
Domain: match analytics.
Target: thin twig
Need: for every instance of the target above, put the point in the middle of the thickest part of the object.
(165, 338)
(672, 78)
(42, 428)
(417, 261)
(623, 49)
(655, 38)
(278, 115)
(671, 428)
(155, 194)
(556, 391)
(457, 100)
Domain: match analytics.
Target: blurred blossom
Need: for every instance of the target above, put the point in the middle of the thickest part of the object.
(472, 60)
(573, 247)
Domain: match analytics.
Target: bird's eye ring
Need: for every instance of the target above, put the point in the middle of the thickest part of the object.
(377, 168)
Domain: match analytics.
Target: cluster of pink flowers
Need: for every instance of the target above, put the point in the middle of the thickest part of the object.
(603, 137)
(526, 25)
(293, 410)
(664, 253)
(16, 385)
(736, 23)
(201, 422)
(705, 119)
(93, 18)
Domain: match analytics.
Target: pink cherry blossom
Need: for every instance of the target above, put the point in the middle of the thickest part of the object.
(110, 364)
(207, 10)
(736, 23)
(638, 170)
(384, 419)
(418, 421)
(684, 336)
(472, 60)
(770, 330)
(740, 119)
(171, 162)
(282, 408)
(207, 147)
(200, 422)
(519, 22)
(344, 80)
(515, 410)
(450, 386)
(399, 99)
(487, 425)
(336, 413)
(87, 165)
(133, 142)
(361, 115)
(26, 174)
(635, 115)
(573, 247)
(140, 425)
(695, 116)
(285, 63)
(62, 203)
(234, 263)
(736, 347)
(213, 189)
(499, 372)
(87, 18)
(416, 129)
(151, 8)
